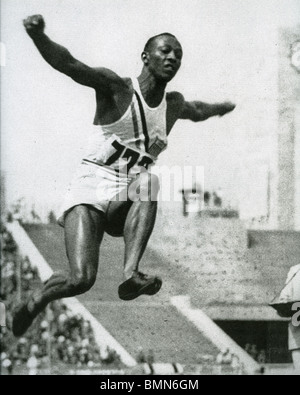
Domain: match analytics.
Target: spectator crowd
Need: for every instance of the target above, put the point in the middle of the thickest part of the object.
(58, 338)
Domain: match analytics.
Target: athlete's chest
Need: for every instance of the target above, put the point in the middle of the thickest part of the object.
(111, 110)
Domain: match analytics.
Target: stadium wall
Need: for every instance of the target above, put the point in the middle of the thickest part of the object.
(288, 133)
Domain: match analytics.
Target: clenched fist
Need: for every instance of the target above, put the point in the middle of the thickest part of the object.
(34, 25)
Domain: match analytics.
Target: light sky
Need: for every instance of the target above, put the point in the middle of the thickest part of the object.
(46, 117)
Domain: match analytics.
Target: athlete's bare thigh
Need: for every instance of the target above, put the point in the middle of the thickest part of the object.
(145, 186)
(84, 229)
(116, 217)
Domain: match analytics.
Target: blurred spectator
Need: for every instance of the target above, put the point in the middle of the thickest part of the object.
(283, 304)
(248, 348)
(35, 218)
(150, 357)
(111, 356)
(227, 357)
(262, 357)
(52, 217)
(223, 360)
(32, 364)
(254, 352)
(235, 362)
(207, 197)
(219, 359)
(294, 345)
(217, 200)
(141, 357)
(7, 364)
(259, 356)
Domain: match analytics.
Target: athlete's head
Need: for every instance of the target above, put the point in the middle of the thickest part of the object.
(162, 56)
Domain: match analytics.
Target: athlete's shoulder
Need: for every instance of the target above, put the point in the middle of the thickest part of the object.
(175, 97)
(116, 82)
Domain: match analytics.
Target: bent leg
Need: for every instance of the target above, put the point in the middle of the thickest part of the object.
(134, 217)
(138, 229)
(84, 229)
(139, 223)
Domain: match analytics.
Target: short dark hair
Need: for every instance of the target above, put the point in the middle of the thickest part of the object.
(152, 39)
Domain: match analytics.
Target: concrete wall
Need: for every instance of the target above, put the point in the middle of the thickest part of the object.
(288, 133)
(225, 267)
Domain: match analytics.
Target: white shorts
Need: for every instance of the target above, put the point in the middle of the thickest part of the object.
(94, 185)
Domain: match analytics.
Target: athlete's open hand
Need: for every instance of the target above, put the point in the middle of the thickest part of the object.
(34, 25)
(226, 107)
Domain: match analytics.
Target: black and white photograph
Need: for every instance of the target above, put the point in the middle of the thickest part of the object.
(150, 190)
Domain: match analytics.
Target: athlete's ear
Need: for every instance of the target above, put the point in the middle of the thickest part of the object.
(145, 58)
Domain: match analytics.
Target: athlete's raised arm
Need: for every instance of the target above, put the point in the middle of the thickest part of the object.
(61, 59)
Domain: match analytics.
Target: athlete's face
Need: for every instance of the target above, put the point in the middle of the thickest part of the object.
(163, 59)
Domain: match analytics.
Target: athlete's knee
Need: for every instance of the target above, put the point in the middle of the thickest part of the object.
(80, 212)
(82, 282)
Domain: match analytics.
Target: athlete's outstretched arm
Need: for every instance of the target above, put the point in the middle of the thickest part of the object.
(196, 110)
(199, 111)
(61, 59)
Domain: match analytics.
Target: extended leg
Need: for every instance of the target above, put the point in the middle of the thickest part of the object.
(84, 229)
(134, 219)
(137, 231)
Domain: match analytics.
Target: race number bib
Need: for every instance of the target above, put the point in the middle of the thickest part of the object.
(116, 153)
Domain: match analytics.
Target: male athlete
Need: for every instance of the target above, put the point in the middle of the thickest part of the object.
(133, 119)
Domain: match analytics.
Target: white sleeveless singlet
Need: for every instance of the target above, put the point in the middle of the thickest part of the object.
(127, 144)
(116, 153)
